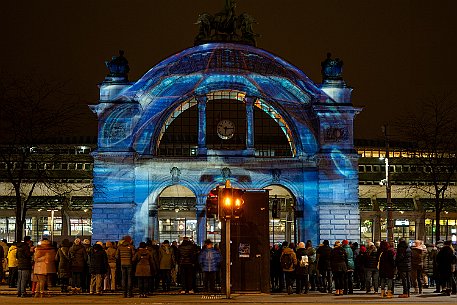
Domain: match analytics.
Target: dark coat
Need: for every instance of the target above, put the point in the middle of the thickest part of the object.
(444, 260)
(78, 257)
(371, 258)
(98, 260)
(187, 253)
(387, 264)
(154, 251)
(63, 259)
(417, 257)
(143, 260)
(403, 259)
(24, 256)
(301, 270)
(338, 259)
(323, 257)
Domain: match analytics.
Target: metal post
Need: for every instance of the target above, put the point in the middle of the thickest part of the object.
(52, 225)
(227, 258)
(390, 221)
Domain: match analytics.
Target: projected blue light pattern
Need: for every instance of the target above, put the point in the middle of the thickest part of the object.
(320, 173)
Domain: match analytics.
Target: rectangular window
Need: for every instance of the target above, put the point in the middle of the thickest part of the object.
(87, 166)
(376, 168)
(361, 168)
(369, 168)
(79, 166)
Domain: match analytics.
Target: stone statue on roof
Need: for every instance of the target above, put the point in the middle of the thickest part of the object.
(118, 66)
(226, 26)
(332, 68)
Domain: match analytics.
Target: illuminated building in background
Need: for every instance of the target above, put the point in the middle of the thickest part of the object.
(221, 111)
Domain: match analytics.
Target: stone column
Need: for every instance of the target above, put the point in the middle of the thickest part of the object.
(249, 124)
(201, 219)
(154, 224)
(377, 227)
(202, 125)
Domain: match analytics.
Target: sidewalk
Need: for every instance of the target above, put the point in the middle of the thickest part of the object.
(8, 296)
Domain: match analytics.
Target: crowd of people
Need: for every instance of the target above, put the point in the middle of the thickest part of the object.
(373, 268)
(79, 267)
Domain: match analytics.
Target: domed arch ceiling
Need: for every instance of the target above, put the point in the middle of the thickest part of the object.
(222, 66)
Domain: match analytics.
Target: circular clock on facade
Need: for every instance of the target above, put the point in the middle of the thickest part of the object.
(225, 129)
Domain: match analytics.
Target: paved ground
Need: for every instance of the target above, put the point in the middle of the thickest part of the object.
(8, 296)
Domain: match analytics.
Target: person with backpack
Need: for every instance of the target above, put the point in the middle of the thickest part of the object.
(302, 270)
(288, 262)
(387, 270)
(124, 254)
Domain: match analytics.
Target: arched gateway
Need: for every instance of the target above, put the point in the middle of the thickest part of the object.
(221, 111)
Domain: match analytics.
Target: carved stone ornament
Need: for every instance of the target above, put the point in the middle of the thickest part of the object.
(332, 68)
(118, 66)
(226, 173)
(336, 134)
(276, 175)
(175, 174)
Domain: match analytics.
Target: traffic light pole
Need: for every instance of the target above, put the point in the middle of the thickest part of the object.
(227, 258)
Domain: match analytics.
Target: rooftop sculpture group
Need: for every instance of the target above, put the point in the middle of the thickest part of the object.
(226, 26)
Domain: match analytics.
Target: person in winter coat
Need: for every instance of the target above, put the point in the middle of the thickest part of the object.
(24, 265)
(349, 285)
(386, 269)
(124, 254)
(371, 269)
(312, 264)
(209, 260)
(403, 263)
(276, 275)
(12, 266)
(444, 261)
(187, 259)
(78, 258)
(153, 280)
(3, 259)
(360, 266)
(338, 263)
(98, 268)
(144, 264)
(110, 280)
(166, 263)
(288, 255)
(324, 267)
(418, 256)
(64, 264)
(302, 270)
(44, 258)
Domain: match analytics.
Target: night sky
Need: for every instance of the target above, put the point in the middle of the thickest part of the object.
(396, 52)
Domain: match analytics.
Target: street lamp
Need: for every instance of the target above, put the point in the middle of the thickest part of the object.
(386, 182)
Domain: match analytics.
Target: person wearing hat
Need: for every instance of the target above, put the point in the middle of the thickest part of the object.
(386, 268)
(124, 254)
(98, 267)
(78, 258)
(144, 268)
(64, 264)
(210, 260)
(371, 268)
(44, 258)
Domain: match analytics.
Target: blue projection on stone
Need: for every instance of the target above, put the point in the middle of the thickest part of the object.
(129, 175)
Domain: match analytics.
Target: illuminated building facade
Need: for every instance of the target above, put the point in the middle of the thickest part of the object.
(221, 111)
